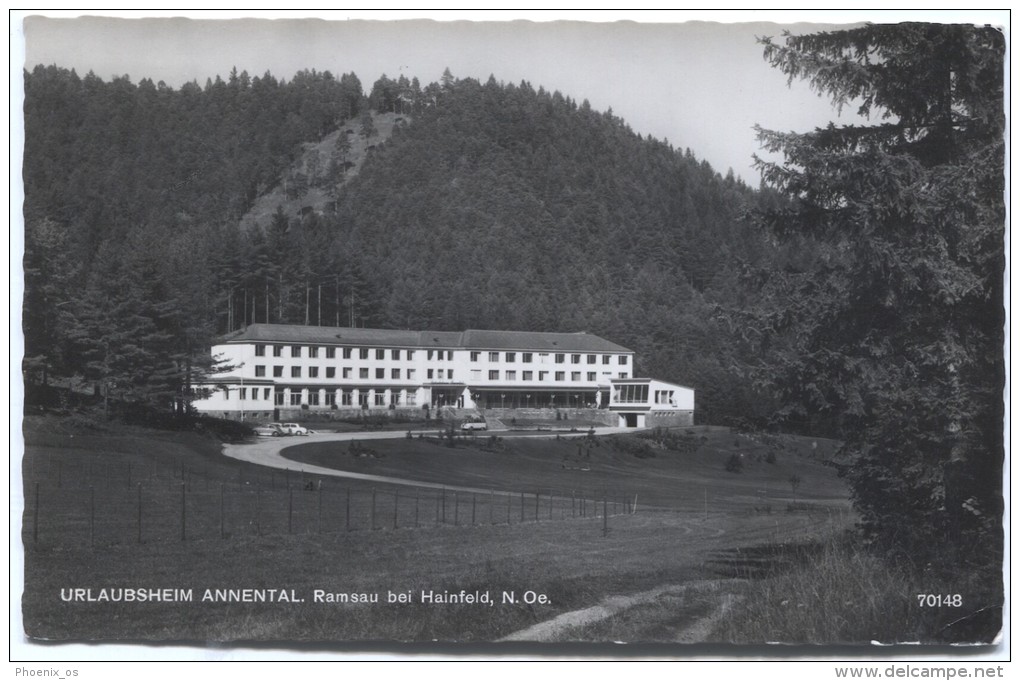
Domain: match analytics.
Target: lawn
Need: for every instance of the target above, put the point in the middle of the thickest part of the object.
(130, 508)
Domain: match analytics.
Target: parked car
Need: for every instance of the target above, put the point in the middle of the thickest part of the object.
(475, 424)
(293, 429)
(269, 430)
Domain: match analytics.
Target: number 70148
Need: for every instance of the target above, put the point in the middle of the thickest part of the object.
(939, 600)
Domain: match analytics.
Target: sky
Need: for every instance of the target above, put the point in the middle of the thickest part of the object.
(697, 79)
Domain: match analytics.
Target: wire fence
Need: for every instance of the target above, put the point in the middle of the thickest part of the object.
(120, 509)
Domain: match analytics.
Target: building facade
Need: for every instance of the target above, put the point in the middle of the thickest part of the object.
(278, 367)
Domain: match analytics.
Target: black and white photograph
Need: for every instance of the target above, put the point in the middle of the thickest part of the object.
(679, 336)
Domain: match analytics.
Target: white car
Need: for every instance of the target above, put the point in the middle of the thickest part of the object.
(289, 428)
(293, 429)
(479, 424)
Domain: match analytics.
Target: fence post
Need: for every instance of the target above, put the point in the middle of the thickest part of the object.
(223, 533)
(139, 513)
(605, 517)
(184, 519)
(35, 521)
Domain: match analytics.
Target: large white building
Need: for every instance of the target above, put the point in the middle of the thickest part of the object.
(278, 368)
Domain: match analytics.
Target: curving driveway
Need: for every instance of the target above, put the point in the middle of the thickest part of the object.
(267, 452)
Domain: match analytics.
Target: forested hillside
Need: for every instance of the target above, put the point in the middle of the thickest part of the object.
(492, 206)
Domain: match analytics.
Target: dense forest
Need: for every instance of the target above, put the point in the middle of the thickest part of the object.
(859, 292)
(491, 206)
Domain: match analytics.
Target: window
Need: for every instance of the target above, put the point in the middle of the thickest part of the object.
(411, 373)
(346, 398)
(560, 357)
(449, 374)
(430, 373)
(494, 375)
(363, 398)
(623, 360)
(528, 376)
(543, 375)
(265, 393)
(412, 397)
(543, 358)
(575, 375)
(347, 372)
(623, 374)
(380, 400)
(277, 351)
(511, 375)
(439, 355)
(295, 399)
(380, 353)
(295, 372)
(560, 375)
(313, 398)
(330, 398)
(313, 372)
(380, 373)
(493, 356)
(474, 355)
(605, 359)
(277, 372)
(313, 352)
(330, 372)
(410, 355)
(592, 376)
(428, 355)
(575, 359)
(330, 353)
(260, 370)
(394, 354)
(295, 351)
(347, 353)
(476, 375)
(395, 398)
(526, 357)
(278, 398)
(395, 374)
(592, 359)
(244, 393)
(511, 357)
(363, 372)
(631, 393)
(260, 350)
(363, 353)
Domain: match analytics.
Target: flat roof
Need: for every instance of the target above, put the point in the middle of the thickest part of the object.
(474, 339)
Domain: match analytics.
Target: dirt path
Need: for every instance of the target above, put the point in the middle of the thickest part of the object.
(267, 452)
(698, 631)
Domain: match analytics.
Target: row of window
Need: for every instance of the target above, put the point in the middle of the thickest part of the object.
(364, 373)
(441, 355)
(543, 358)
(329, 398)
(348, 372)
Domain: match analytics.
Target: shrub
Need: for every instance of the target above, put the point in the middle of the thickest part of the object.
(734, 464)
